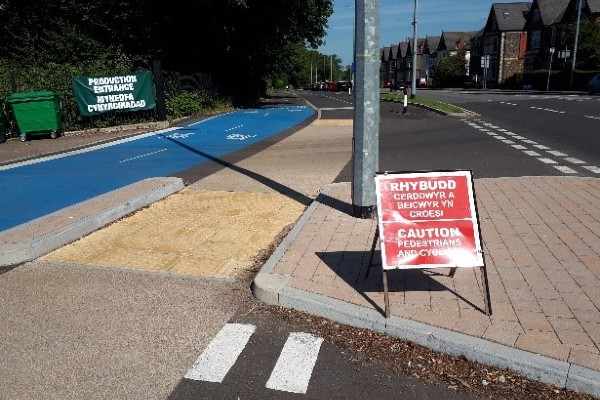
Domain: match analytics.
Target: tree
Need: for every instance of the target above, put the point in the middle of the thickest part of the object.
(240, 41)
(451, 70)
(589, 45)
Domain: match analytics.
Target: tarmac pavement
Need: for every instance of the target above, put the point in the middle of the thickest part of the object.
(541, 239)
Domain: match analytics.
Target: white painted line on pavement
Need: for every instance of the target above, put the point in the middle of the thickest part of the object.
(565, 170)
(541, 147)
(592, 168)
(573, 160)
(532, 153)
(222, 352)
(547, 160)
(142, 156)
(557, 153)
(294, 367)
(519, 147)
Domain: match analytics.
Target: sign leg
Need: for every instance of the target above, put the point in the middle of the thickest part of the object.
(452, 272)
(386, 296)
(372, 253)
(486, 292)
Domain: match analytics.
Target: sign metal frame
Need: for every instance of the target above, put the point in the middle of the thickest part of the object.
(426, 220)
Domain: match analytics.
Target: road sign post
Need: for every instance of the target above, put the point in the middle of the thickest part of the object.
(429, 220)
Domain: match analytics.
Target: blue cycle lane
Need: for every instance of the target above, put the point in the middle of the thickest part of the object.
(39, 187)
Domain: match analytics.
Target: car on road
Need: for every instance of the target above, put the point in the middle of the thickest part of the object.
(594, 85)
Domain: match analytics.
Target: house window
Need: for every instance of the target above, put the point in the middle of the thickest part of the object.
(536, 15)
(536, 37)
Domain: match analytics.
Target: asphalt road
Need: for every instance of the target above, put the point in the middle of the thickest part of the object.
(562, 127)
(513, 133)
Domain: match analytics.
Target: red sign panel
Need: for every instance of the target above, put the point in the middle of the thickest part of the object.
(428, 220)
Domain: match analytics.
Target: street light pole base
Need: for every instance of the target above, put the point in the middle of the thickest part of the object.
(364, 212)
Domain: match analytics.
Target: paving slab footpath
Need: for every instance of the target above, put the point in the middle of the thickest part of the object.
(541, 238)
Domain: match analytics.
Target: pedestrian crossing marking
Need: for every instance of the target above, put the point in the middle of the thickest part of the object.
(294, 367)
(292, 371)
(221, 354)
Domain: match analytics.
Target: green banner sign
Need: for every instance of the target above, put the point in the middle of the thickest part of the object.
(102, 94)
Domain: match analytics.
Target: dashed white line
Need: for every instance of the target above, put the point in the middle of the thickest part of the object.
(221, 354)
(564, 169)
(557, 153)
(555, 164)
(532, 153)
(592, 168)
(142, 156)
(296, 362)
(235, 127)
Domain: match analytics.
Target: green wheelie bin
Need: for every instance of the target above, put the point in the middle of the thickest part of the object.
(3, 124)
(36, 113)
(3, 127)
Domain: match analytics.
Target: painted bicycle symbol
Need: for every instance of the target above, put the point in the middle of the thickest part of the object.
(180, 135)
(239, 136)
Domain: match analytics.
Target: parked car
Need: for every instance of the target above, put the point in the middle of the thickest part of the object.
(594, 85)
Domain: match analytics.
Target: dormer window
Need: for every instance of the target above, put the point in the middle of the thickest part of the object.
(536, 15)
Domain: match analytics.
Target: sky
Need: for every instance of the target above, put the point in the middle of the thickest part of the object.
(396, 17)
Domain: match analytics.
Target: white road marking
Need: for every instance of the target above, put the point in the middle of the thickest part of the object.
(235, 127)
(532, 153)
(220, 355)
(592, 168)
(142, 156)
(519, 147)
(294, 367)
(565, 157)
(573, 160)
(564, 169)
(557, 153)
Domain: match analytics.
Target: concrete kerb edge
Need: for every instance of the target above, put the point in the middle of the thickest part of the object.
(317, 110)
(266, 286)
(534, 366)
(16, 253)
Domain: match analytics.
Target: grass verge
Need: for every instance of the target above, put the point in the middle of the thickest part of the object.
(437, 105)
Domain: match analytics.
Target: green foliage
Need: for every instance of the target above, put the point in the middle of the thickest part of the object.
(242, 41)
(589, 47)
(451, 71)
(422, 101)
(193, 103)
(559, 80)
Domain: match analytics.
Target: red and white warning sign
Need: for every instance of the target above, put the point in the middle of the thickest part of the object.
(428, 220)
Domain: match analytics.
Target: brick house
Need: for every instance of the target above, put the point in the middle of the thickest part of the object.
(543, 33)
(504, 40)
